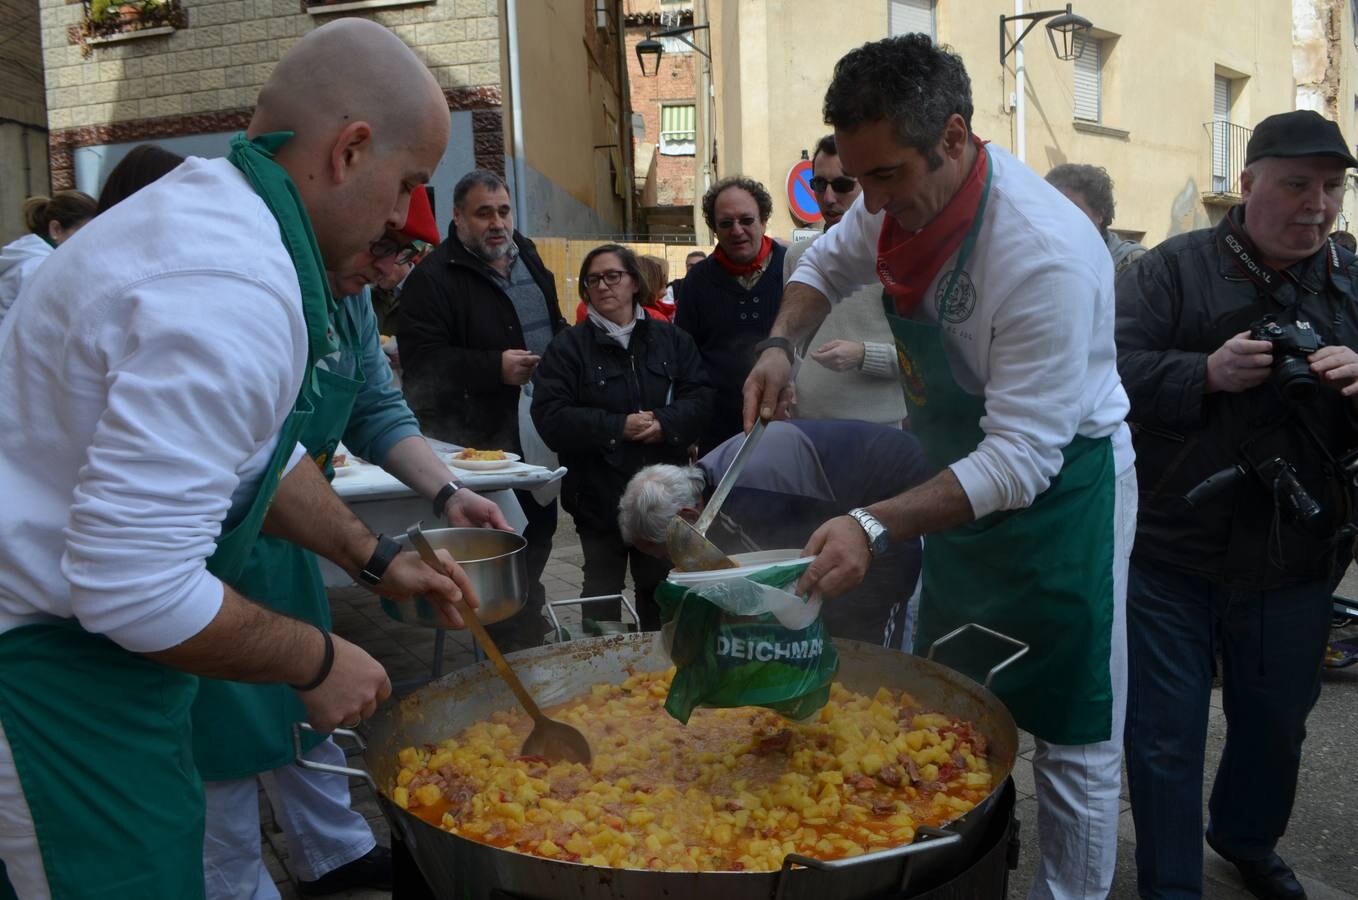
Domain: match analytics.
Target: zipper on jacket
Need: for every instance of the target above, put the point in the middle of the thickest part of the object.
(636, 382)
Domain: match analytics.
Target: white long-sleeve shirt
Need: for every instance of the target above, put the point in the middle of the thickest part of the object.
(147, 371)
(18, 260)
(1036, 341)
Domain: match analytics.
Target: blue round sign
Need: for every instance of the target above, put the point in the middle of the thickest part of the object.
(801, 200)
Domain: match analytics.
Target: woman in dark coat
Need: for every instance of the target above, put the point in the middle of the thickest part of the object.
(619, 391)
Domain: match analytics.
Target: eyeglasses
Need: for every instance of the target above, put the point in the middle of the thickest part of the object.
(842, 185)
(728, 224)
(610, 278)
(388, 246)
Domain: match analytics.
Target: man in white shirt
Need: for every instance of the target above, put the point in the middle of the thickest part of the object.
(1004, 309)
(157, 377)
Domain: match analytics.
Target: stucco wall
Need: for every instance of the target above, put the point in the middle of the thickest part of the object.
(572, 110)
(1157, 90)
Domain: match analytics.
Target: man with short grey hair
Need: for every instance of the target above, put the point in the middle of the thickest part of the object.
(476, 316)
(800, 473)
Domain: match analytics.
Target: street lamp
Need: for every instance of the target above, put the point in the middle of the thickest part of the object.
(1068, 25)
(650, 50)
(1073, 29)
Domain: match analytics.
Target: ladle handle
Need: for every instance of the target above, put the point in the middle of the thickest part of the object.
(421, 545)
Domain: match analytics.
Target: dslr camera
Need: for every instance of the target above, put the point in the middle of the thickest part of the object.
(1291, 345)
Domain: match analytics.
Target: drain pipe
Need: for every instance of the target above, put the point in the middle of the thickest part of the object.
(1020, 85)
(516, 116)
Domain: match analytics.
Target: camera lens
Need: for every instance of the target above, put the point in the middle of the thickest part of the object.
(1294, 379)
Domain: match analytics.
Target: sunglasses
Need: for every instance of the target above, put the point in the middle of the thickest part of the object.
(842, 185)
(728, 224)
(610, 278)
(387, 246)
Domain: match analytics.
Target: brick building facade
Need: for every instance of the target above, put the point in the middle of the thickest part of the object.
(665, 106)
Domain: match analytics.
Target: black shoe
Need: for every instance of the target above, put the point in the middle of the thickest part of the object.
(1269, 878)
(372, 870)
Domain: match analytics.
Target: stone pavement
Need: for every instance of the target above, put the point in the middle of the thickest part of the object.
(1319, 843)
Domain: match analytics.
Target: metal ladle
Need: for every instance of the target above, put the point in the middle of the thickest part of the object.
(552, 740)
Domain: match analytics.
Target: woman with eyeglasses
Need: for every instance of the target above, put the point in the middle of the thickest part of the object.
(619, 391)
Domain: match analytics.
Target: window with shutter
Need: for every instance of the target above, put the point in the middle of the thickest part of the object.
(1221, 133)
(678, 130)
(1088, 89)
(910, 16)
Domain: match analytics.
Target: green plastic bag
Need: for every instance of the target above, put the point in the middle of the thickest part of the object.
(747, 641)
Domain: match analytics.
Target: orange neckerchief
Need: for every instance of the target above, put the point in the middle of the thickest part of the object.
(908, 262)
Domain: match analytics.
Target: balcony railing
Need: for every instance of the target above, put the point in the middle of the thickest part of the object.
(1228, 161)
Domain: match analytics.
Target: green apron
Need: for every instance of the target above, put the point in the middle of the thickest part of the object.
(239, 729)
(1043, 574)
(101, 736)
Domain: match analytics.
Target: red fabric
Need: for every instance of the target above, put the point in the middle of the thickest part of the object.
(420, 224)
(581, 312)
(738, 271)
(659, 312)
(907, 262)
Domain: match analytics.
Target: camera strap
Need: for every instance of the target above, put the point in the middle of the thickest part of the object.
(1238, 247)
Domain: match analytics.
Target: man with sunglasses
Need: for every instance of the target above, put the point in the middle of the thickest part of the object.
(730, 299)
(242, 732)
(857, 376)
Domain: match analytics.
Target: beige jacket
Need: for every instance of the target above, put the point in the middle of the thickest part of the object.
(872, 394)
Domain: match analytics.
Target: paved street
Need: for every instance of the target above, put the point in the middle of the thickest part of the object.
(1319, 843)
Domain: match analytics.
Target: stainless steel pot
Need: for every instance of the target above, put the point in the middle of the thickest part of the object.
(494, 563)
(457, 867)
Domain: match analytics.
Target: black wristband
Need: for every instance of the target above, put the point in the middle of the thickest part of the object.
(781, 343)
(326, 664)
(376, 566)
(444, 495)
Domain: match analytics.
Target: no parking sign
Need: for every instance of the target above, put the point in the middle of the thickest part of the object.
(801, 200)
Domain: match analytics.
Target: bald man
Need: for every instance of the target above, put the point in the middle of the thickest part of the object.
(159, 380)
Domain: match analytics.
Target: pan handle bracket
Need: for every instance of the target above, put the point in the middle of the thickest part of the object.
(360, 745)
(926, 838)
(560, 630)
(998, 667)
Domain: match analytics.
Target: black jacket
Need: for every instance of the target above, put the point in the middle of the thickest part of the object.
(456, 321)
(585, 387)
(1175, 306)
(726, 321)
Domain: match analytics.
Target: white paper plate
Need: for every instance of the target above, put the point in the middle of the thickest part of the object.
(748, 564)
(482, 465)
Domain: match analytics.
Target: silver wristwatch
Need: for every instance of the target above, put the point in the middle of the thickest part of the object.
(878, 537)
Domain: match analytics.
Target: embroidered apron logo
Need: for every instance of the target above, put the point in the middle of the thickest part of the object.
(961, 303)
(911, 383)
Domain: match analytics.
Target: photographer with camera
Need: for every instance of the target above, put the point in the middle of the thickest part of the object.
(1236, 346)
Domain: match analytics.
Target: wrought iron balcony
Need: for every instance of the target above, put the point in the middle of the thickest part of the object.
(1227, 142)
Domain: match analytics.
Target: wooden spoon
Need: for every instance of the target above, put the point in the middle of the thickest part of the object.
(552, 740)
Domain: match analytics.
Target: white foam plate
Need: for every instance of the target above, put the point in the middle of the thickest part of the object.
(747, 564)
(482, 465)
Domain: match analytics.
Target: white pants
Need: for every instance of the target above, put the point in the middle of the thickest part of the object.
(18, 839)
(1078, 786)
(312, 808)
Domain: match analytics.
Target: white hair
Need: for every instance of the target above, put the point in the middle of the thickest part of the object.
(654, 496)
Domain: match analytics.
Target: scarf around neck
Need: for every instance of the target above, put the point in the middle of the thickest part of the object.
(907, 262)
(620, 333)
(739, 270)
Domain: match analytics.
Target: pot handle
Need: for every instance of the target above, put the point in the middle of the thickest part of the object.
(361, 745)
(995, 670)
(299, 727)
(937, 839)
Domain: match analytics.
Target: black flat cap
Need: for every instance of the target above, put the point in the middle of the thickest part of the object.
(1302, 132)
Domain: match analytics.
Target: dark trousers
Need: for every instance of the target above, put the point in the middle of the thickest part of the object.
(606, 562)
(527, 627)
(1271, 643)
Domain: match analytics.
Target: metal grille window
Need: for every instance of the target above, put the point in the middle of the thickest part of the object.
(910, 16)
(678, 130)
(1088, 78)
